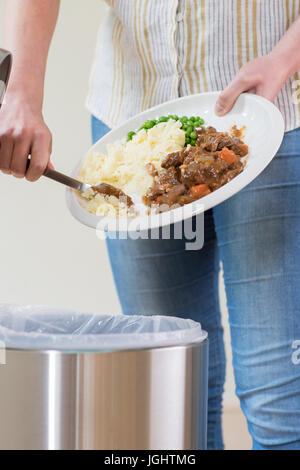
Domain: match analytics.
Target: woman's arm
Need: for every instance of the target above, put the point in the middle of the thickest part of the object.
(267, 74)
(29, 26)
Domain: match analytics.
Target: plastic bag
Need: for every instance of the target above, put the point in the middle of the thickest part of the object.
(37, 327)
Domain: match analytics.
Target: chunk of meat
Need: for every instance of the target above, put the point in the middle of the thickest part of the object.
(171, 196)
(173, 159)
(238, 147)
(169, 176)
(109, 190)
(203, 171)
(196, 171)
(213, 141)
(229, 175)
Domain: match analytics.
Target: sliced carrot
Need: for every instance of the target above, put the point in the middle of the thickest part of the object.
(228, 156)
(200, 190)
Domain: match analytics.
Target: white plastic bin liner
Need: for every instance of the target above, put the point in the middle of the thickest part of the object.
(38, 327)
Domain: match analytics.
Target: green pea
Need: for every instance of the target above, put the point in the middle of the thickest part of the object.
(192, 118)
(148, 125)
(200, 120)
(163, 119)
(184, 119)
(187, 140)
(189, 130)
(185, 127)
(130, 135)
(193, 142)
(193, 135)
(190, 123)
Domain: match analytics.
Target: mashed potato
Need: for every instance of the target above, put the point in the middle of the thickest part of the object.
(125, 166)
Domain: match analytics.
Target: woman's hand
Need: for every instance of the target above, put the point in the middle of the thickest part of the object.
(23, 132)
(263, 76)
(28, 30)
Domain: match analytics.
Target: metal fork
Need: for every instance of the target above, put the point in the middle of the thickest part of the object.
(102, 188)
(68, 181)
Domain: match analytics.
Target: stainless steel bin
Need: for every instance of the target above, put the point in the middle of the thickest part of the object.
(131, 398)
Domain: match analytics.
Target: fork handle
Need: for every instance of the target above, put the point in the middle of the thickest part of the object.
(63, 179)
(5, 68)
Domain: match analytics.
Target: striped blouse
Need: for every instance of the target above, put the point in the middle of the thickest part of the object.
(151, 51)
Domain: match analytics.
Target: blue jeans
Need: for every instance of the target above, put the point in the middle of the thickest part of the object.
(256, 235)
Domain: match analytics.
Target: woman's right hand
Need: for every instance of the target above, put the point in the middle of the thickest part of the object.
(23, 132)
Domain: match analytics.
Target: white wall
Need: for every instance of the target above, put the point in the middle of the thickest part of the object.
(46, 256)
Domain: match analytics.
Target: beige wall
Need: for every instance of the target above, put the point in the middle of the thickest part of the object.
(46, 256)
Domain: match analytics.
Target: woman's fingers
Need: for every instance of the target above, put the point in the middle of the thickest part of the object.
(16, 146)
(40, 154)
(6, 150)
(22, 143)
(23, 132)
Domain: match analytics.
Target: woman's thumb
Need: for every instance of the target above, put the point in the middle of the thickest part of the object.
(228, 97)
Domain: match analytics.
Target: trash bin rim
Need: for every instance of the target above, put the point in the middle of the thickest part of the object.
(67, 352)
(144, 336)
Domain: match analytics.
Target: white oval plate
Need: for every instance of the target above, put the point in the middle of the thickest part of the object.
(263, 134)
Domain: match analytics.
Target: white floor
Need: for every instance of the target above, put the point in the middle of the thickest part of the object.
(236, 436)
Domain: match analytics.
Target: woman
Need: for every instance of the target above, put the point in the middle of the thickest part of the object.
(149, 52)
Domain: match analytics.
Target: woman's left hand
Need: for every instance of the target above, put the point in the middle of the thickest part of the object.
(263, 76)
